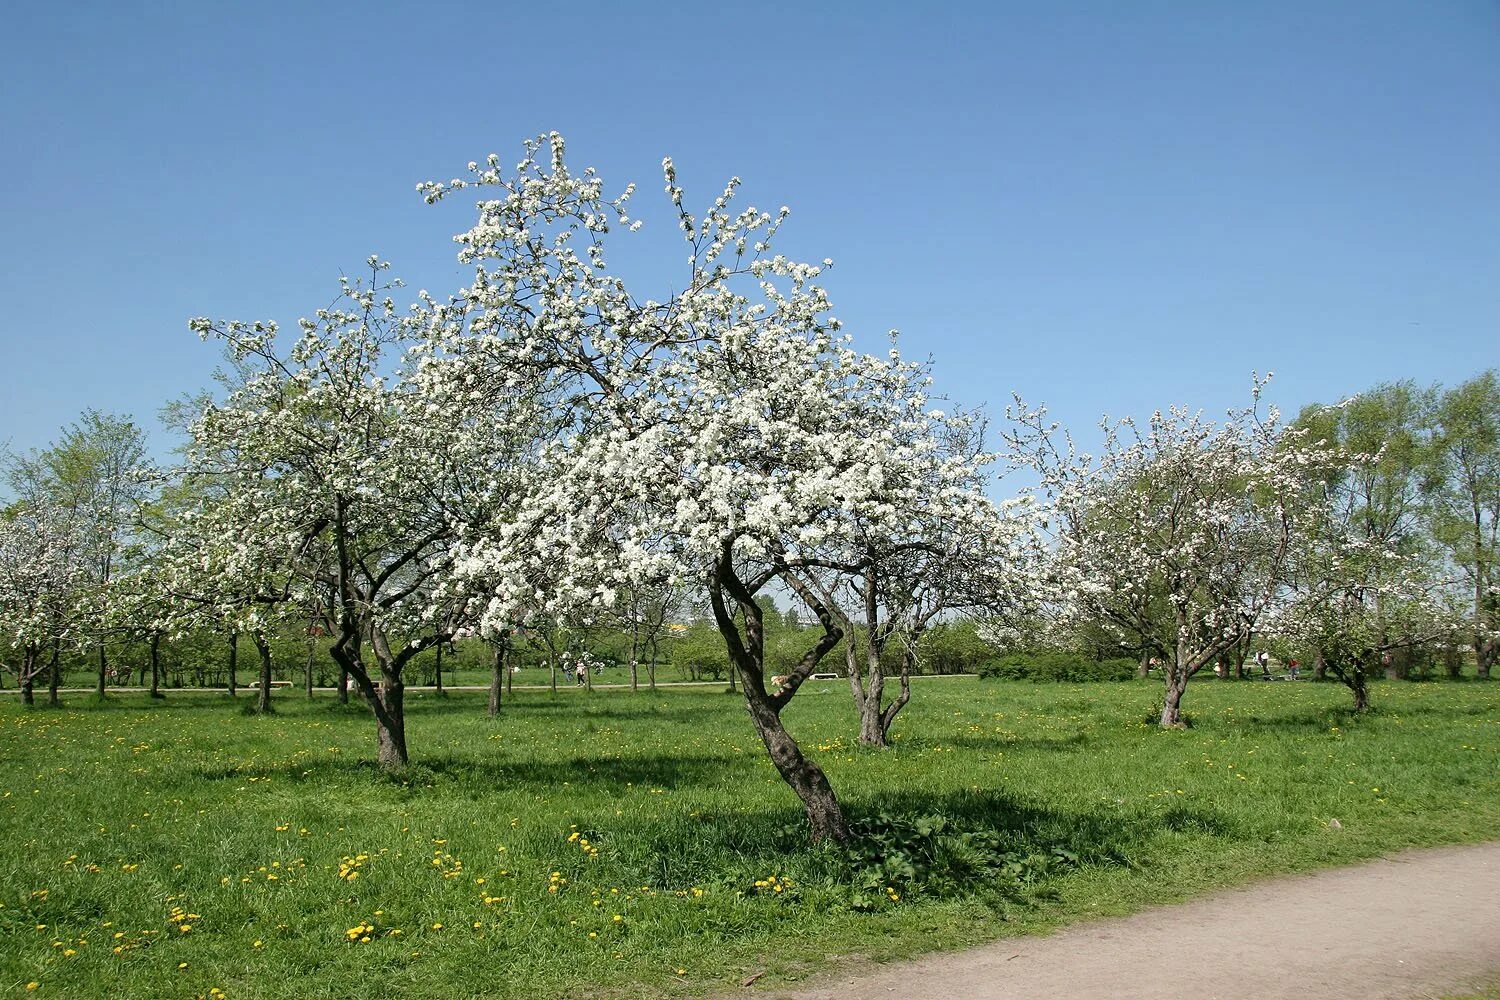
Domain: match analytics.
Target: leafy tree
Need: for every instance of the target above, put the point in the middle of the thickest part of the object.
(1207, 515)
(1466, 508)
(44, 565)
(720, 435)
(91, 473)
(358, 461)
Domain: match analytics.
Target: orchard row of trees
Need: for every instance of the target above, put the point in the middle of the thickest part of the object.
(1354, 536)
(546, 449)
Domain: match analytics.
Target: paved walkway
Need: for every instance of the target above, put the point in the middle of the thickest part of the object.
(1419, 924)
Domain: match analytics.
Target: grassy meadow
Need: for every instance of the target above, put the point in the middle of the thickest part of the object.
(621, 844)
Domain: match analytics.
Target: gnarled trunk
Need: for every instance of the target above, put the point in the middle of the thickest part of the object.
(1486, 652)
(824, 815)
(825, 818)
(1361, 689)
(1171, 704)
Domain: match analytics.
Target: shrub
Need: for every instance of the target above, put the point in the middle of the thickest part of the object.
(1056, 665)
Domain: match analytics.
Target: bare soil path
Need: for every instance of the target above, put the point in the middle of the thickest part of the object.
(1418, 924)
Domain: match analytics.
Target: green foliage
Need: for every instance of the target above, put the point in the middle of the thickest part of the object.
(1056, 665)
(896, 856)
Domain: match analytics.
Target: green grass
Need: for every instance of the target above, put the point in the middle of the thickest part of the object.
(113, 814)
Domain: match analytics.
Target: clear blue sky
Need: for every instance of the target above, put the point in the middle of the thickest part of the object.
(1107, 206)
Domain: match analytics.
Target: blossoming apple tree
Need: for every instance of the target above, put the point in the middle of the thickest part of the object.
(726, 434)
(43, 569)
(356, 460)
(1206, 514)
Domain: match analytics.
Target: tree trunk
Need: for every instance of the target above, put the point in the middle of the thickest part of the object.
(871, 727)
(263, 699)
(497, 674)
(1486, 651)
(651, 667)
(1320, 666)
(438, 671)
(28, 668)
(390, 713)
(1171, 704)
(390, 732)
(234, 656)
(1175, 673)
(824, 816)
(54, 676)
(307, 668)
(343, 685)
(156, 666)
(1143, 670)
(888, 715)
(103, 671)
(1361, 690)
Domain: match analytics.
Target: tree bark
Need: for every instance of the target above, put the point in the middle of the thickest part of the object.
(1486, 651)
(1171, 705)
(103, 670)
(343, 685)
(1361, 690)
(1175, 672)
(307, 668)
(263, 699)
(1320, 666)
(28, 666)
(888, 715)
(1143, 670)
(438, 671)
(156, 666)
(390, 732)
(824, 815)
(54, 676)
(497, 674)
(871, 725)
(825, 818)
(234, 657)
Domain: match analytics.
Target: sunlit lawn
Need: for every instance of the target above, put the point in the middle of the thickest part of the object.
(171, 849)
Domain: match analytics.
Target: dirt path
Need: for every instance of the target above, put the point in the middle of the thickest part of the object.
(1418, 924)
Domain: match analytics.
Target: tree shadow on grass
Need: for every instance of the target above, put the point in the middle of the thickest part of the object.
(1063, 741)
(477, 777)
(700, 849)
